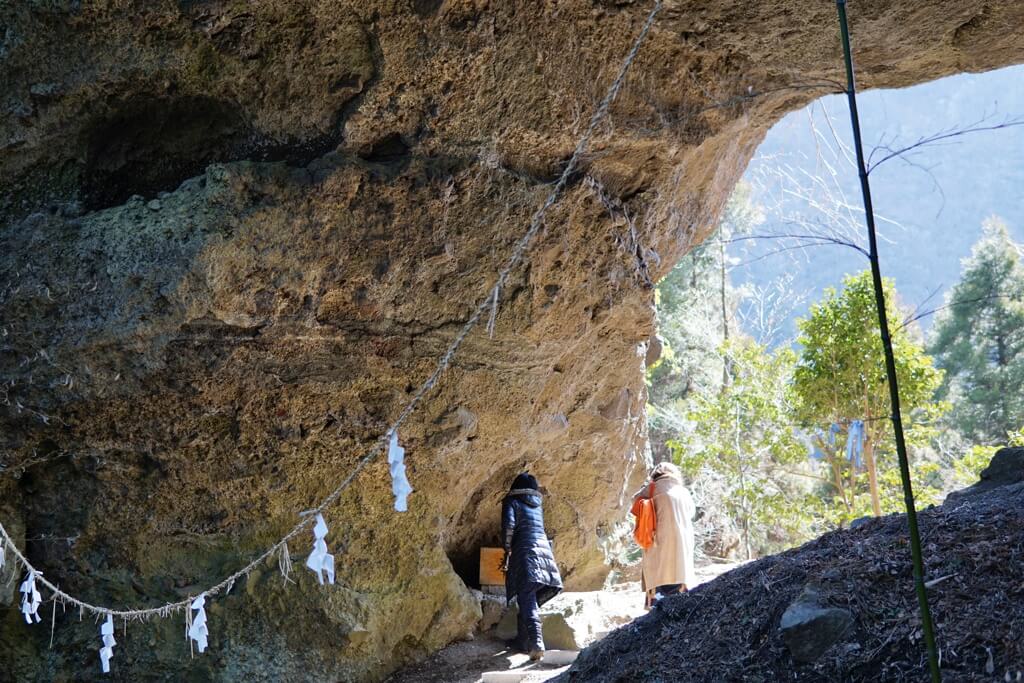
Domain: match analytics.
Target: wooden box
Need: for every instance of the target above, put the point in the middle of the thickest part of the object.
(490, 567)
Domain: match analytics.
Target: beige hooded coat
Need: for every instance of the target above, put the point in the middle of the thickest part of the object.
(670, 559)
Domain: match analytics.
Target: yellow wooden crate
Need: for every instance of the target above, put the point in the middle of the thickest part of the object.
(490, 567)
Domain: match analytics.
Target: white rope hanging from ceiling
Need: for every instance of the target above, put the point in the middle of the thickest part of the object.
(400, 485)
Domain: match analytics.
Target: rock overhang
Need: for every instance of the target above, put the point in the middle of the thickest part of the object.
(217, 358)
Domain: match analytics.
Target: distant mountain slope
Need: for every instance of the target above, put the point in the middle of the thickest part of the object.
(939, 199)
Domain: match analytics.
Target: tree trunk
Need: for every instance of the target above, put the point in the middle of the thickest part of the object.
(869, 461)
(835, 465)
(1004, 413)
(853, 468)
(726, 364)
(743, 484)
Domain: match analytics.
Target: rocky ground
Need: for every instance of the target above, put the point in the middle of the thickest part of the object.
(571, 621)
(842, 608)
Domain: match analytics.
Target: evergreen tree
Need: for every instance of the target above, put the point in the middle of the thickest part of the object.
(696, 304)
(979, 340)
(841, 378)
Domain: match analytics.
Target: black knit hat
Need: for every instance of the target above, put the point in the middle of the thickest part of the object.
(525, 481)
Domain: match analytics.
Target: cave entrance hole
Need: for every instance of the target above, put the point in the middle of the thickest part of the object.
(478, 525)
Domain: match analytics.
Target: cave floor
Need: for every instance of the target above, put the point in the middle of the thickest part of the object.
(468, 661)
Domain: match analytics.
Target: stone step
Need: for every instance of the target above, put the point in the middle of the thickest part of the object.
(553, 659)
(560, 657)
(504, 676)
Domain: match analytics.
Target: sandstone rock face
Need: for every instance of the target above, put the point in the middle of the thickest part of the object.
(236, 236)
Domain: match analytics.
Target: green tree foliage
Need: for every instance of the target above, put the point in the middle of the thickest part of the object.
(979, 340)
(743, 447)
(695, 310)
(841, 377)
(966, 470)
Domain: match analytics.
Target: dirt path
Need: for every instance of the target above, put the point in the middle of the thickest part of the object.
(467, 661)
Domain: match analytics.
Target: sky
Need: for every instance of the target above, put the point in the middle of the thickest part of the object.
(931, 203)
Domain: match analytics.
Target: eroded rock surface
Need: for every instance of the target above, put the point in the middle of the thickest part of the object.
(238, 235)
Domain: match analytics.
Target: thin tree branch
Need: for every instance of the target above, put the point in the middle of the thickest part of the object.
(808, 476)
(822, 238)
(937, 138)
(951, 304)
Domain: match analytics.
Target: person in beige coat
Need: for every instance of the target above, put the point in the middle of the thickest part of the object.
(668, 564)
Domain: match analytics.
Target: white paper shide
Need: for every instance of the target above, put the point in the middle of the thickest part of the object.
(320, 561)
(30, 599)
(107, 651)
(399, 483)
(198, 631)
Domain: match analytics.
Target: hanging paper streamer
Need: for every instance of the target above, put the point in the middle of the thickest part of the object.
(284, 563)
(399, 484)
(493, 319)
(107, 651)
(198, 631)
(855, 442)
(320, 561)
(832, 431)
(30, 598)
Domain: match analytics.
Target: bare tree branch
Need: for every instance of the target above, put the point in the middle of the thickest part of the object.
(937, 138)
(817, 239)
(951, 304)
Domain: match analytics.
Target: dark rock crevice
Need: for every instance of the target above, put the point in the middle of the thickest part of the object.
(153, 144)
(220, 84)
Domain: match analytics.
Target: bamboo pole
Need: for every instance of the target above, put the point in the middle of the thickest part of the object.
(890, 361)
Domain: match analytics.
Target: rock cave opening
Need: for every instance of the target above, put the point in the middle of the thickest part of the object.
(466, 560)
(742, 312)
(478, 525)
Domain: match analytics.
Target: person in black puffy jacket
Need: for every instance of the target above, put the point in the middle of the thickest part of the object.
(531, 575)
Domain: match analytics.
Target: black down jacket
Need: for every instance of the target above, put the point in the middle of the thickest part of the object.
(531, 559)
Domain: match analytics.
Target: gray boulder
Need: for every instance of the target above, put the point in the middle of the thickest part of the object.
(809, 628)
(860, 521)
(573, 621)
(1005, 469)
(558, 634)
(492, 609)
